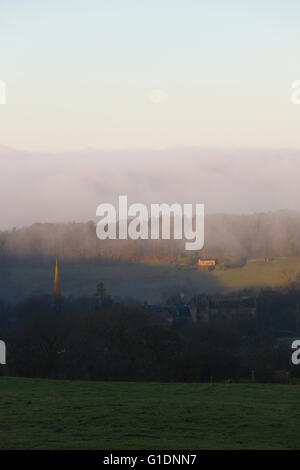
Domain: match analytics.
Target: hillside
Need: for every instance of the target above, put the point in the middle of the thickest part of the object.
(143, 281)
(227, 236)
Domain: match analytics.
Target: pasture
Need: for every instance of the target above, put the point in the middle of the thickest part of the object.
(49, 414)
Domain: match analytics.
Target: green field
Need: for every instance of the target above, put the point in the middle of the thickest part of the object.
(150, 282)
(48, 414)
(275, 273)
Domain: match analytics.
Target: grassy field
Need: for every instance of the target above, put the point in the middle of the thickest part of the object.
(275, 273)
(48, 414)
(150, 282)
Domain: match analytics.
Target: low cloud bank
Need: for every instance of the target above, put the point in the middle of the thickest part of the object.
(46, 187)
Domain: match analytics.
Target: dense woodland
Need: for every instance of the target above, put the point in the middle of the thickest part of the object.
(97, 338)
(226, 236)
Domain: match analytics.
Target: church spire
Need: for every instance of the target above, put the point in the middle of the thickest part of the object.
(57, 292)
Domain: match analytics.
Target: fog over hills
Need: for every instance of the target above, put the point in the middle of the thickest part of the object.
(44, 187)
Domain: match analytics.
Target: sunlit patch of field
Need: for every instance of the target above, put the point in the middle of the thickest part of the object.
(276, 272)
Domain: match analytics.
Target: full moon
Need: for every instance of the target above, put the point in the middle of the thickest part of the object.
(157, 96)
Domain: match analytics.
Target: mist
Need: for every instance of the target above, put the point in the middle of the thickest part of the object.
(44, 187)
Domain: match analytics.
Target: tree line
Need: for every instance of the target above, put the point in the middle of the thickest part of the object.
(235, 237)
(97, 338)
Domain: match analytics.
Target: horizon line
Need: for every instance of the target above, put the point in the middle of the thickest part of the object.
(152, 149)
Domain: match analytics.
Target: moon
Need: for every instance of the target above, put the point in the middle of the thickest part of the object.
(157, 96)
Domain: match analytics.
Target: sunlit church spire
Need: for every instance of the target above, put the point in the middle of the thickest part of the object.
(57, 291)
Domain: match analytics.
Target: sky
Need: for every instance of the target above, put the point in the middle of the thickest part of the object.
(122, 74)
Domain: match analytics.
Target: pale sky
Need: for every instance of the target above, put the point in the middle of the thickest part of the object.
(117, 74)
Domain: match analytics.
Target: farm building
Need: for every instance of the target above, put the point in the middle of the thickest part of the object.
(206, 262)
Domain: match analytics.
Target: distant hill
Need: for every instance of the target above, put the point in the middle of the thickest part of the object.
(227, 236)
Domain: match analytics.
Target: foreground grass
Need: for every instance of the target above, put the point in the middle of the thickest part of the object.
(49, 414)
